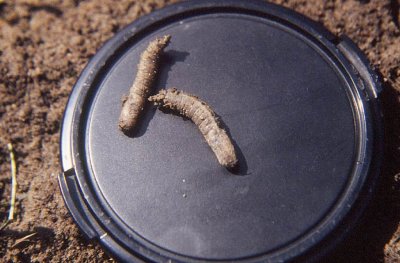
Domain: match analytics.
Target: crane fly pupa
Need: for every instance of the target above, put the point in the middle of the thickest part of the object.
(205, 119)
(133, 104)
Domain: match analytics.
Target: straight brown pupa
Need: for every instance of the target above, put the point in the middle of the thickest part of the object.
(205, 119)
(133, 104)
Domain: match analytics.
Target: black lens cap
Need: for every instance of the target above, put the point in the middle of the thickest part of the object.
(301, 105)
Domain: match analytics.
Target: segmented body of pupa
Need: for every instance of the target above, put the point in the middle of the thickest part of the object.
(133, 104)
(205, 119)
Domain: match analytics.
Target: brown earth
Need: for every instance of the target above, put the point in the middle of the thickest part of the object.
(45, 44)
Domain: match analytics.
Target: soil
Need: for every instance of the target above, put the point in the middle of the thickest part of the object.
(45, 44)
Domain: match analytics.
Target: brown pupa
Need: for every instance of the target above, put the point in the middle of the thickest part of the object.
(205, 119)
(133, 104)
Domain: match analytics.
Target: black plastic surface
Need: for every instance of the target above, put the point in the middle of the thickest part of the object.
(302, 112)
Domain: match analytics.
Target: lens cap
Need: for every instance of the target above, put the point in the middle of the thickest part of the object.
(301, 105)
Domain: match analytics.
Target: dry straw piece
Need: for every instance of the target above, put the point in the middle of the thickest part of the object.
(13, 186)
(133, 104)
(205, 119)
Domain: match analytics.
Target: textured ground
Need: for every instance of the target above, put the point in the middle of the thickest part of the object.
(45, 44)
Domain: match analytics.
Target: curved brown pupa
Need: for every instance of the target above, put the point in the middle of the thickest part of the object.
(133, 104)
(205, 119)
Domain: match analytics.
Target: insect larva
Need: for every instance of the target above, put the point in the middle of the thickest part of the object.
(205, 119)
(133, 104)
